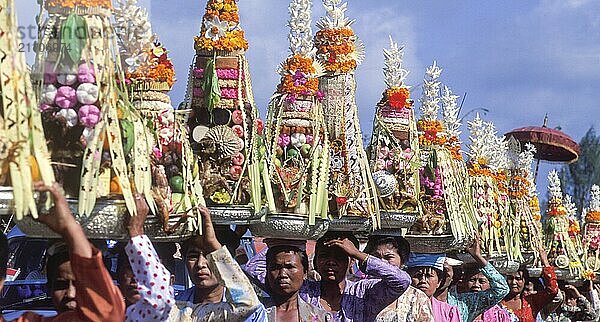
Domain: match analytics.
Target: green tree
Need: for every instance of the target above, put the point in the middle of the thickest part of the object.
(578, 177)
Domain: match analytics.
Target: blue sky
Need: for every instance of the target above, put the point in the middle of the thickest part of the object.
(520, 59)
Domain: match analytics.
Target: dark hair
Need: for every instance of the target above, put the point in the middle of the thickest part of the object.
(399, 243)
(225, 236)
(122, 259)
(524, 272)
(52, 264)
(331, 235)
(3, 256)
(275, 250)
(440, 273)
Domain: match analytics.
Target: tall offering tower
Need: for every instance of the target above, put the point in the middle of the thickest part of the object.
(352, 190)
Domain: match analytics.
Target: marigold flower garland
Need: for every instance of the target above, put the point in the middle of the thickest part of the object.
(220, 30)
(335, 47)
(432, 132)
(107, 4)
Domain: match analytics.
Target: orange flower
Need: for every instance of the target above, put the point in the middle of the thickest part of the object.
(592, 216)
(336, 45)
(398, 97)
(107, 4)
(232, 41)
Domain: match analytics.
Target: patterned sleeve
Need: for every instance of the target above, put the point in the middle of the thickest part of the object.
(595, 301)
(586, 311)
(479, 302)
(153, 282)
(256, 267)
(389, 283)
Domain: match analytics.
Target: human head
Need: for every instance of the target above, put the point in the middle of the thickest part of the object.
(61, 279)
(516, 281)
(393, 249)
(427, 272)
(197, 264)
(126, 279)
(287, 268)
(3, 259)
(330, 262)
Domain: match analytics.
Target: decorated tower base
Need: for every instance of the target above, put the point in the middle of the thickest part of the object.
(394, 148)
(353, 202)
(561, 250)
(224, 125)
(446, 221)
(591, 233)
(90, 125)
(297, 144)
(24, 158)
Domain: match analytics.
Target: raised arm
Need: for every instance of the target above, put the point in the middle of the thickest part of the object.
(387, 281)
(152, 277)
(540, 299)
(479, 302)
(242, 301)
(256, 267)
(98, 299)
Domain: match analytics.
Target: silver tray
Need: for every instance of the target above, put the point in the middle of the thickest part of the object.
(397, 219)
(107, 221)
(500, 262)
(7, 206)
(352, 224)
(430, 244)
(227, 215)
(289, 226)
(561, 274)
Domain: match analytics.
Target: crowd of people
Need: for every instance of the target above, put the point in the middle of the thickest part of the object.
(384, 282)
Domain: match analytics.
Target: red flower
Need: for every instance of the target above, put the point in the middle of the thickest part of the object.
(260, 126)
(341, 200)
(398, 99)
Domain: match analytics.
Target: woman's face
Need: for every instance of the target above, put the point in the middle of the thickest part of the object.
(286, 274)
(425, 279)
(388, 253)
(516, 282)
(477, 283)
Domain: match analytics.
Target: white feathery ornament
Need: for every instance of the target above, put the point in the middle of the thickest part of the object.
(554, 186)
(450, 112)
(570, 206)
(134, 32)
(336, 15)
(300, 37)
(394, 73)
(431, 87)
(595, 199)
(477, 148)
(499, 156)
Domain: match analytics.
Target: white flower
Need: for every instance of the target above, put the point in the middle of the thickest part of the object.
(87, 93)
(215, 28)
(49, 94)
(69, 115)
(66, 79)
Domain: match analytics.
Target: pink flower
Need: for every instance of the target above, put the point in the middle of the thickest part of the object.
(283, 140)
(237, 117)
(260, 126)
(389, 164)
(235, 172)
(86, 73)
(89, 115)
(231, 93)
(228, 73)
(66, 97)
(157, 153)
(239, 130)
(379, 165)
(238, 159)
(310, 139)
(198, 72)
(384, 152)
(46, 108)
(320, 95)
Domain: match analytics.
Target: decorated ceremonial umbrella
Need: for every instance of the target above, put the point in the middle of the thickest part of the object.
(353, 202)
(550, 144)
(225, 128)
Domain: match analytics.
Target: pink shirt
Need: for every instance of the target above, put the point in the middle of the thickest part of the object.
(444, 312)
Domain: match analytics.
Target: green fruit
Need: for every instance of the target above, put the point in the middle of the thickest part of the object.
(292, 153)
(176, 184)
(277, 162)
(305, 150)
